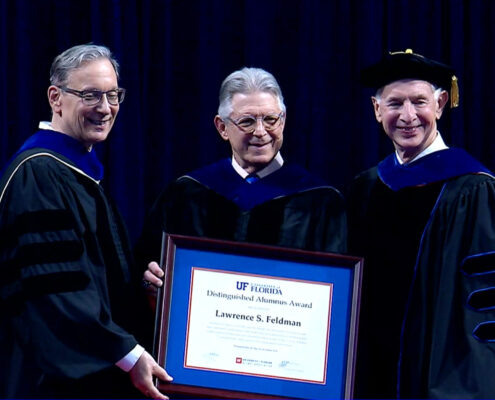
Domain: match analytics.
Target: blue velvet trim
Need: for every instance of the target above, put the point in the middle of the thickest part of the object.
(223, 179)
(435, 167)
(68, 147)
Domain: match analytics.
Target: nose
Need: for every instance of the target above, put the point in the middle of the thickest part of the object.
(259, 129)
(408, 112)
(103, 106)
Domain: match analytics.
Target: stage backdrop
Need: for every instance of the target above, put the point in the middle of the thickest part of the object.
(174, 55)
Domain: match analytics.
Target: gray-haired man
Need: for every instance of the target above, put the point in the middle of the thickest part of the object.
(67, 300)
(253, 196)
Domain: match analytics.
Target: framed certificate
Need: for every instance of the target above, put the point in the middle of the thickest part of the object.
(239, 320)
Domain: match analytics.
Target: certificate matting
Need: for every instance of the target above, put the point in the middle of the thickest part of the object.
(258, 325)
(257, 320)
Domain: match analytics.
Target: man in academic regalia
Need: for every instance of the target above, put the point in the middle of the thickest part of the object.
(68, 306)
(424, 219)
(253, 196)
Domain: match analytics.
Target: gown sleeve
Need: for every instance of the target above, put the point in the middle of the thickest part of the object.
(55, 281)
(449, 340)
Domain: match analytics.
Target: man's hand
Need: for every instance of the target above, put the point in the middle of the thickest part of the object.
(154, 274)
(142, 376)
(152, 280)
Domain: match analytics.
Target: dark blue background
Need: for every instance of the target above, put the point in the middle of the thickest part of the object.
(174, 55)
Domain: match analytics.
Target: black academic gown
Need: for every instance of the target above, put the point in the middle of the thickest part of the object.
(289, 208)
(66, 297)
(427, 232)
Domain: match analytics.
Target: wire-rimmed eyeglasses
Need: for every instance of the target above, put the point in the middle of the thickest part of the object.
(249, 123)
(93, 97)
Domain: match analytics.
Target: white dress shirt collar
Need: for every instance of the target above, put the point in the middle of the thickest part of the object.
(438, 144)
(46, 125)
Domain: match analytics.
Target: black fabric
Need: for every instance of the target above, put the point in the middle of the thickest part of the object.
(222, 178)
(68, 301)
(479, 264)
(175, 54)
(398, 65)
(68, 147)
(417, 331)
(313, 219)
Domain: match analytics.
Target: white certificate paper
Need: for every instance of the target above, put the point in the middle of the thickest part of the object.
(258, 325)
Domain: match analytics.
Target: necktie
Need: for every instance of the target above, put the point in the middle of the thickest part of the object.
(251, 178)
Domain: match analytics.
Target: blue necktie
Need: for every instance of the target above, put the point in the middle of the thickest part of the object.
(251, 178)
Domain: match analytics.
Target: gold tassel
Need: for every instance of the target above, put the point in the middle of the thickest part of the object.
(454, 93)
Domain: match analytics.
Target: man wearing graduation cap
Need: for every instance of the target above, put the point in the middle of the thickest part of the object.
(254, 196)
(424, 219)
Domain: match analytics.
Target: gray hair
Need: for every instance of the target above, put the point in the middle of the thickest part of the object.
(247, 81)
(76, 56)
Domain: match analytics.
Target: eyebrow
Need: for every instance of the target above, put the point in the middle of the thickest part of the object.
(402, 98)
(259, 115)
(394, 99)
(93, 89)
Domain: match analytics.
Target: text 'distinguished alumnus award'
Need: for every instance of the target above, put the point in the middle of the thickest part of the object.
(258, 325)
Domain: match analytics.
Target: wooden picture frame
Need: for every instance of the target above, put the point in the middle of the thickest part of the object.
(241, 320)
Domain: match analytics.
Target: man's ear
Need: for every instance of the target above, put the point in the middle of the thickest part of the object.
(54, 98)
(376, 108)
(220, 125)
(443, 98)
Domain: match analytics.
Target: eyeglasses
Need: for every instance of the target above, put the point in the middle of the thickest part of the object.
(93, 97)
(248, 123)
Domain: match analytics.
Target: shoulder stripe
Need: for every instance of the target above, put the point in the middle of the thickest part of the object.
(47, 155)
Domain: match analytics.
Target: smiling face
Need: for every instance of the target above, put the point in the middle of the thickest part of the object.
(253, 151)
(88, 124)
(408, 112)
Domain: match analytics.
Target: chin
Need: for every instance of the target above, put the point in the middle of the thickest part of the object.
(260, 160)
(96, 137)
(409, 143)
